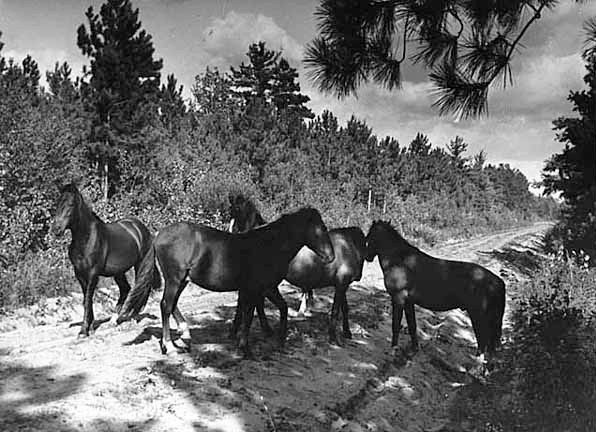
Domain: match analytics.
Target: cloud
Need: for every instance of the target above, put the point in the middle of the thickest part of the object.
(46, 60)
(518, 130)
(225, 42)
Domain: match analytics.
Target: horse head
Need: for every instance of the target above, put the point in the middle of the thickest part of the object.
(65, 211)
(376, 232)
(317, 237)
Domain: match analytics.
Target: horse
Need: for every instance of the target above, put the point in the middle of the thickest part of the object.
(414, 277)
(98, 248)
(253, 263)
(307, 271)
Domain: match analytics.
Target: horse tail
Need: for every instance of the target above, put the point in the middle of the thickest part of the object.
(146, 277)
(499, 311)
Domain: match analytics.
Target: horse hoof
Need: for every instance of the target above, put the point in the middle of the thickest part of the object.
(168, 348)
(182, 345)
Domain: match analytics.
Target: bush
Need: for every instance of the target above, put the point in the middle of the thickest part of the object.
(47, 273)
(548, 372)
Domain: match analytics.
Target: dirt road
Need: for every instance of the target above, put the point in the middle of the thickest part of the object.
(118, 380)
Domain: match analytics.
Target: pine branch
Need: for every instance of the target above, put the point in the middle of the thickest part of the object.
(589, 49)
(458, 94)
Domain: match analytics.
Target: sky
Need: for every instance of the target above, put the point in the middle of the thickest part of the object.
(192, 34)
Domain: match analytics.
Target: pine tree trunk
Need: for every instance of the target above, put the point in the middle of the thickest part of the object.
(105, 181)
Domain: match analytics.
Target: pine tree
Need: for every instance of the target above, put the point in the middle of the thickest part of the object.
(122, 81)
(270, 79)
(573, 171)
(171, 104)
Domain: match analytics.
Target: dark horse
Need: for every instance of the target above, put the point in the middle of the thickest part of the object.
(307, 271)
(413, 277)
(254, 263)
(98, 248)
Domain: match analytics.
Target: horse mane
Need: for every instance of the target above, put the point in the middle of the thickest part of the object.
(303, 212)
(404, 244)
(73, 189)
(244, 209)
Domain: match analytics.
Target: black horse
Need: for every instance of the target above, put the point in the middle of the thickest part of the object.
(307, 271)
(413, 277)
(98, 248)
(254, 263)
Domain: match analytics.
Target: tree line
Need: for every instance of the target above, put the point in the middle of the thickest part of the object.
(133, 144)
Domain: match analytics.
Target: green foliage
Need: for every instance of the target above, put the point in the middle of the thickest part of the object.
(573, 171)
(119, 93)
(245, 132)
(547, 370)
(36, 275)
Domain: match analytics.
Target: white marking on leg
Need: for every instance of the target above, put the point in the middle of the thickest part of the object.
(232, 222)
(183, 327)
(170, 347)
(302, 310)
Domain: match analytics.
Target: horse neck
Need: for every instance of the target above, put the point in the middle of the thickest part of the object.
(393, 243)
(284, 228)
(83, 220)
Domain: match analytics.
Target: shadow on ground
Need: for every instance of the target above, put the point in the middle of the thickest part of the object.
(23, 388)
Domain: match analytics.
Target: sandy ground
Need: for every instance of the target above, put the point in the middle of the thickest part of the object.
(118, 380)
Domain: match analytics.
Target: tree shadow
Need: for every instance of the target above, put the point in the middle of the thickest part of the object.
(23, 389)
(309, 384)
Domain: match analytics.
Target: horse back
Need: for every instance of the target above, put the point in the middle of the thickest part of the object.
(125, 241)
(200, 253)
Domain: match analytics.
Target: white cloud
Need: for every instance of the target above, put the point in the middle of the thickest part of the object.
(46, 60)
(519, 128)
(541, 86)
(225, 42)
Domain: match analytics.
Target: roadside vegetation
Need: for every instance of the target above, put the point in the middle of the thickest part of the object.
(135, 147)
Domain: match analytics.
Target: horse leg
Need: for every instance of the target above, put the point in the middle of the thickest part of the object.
(333, 318)
(479, 326)
(281, 304)
(411, 319)
(236, 322)
(344, 312)
(260, 306)
(88, 284)
(397, 314)
(167, 306)
(246, 310)
(124, 288)
(263, 318)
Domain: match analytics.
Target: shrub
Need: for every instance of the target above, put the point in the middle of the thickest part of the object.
(47, 273)
(550, 361)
